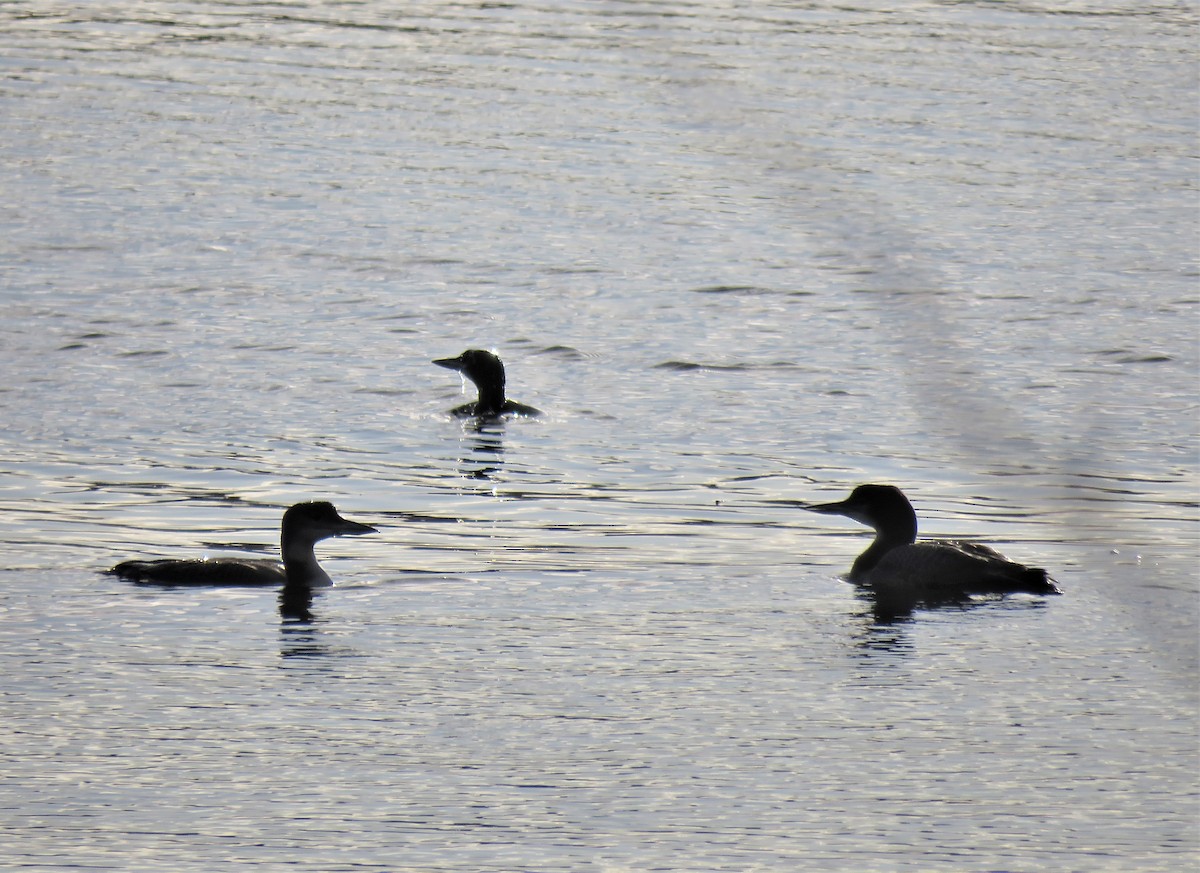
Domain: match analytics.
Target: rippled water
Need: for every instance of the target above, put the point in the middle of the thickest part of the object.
(742, 256)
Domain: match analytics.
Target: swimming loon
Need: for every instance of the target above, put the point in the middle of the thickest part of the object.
(487, 372)
(304, 525)
(896, 564)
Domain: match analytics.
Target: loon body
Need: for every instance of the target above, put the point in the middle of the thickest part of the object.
(304, 525)
(487, 372)
(896, 564)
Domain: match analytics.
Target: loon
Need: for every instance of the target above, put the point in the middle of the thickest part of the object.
(304, 525)
(897, 565)
(487, 372)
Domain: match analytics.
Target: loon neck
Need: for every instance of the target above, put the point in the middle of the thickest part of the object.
(491, 399)
(896, 532)
(899, 531)
(866, 562)
(300, 564)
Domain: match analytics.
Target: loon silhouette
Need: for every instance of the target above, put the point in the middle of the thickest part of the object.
(487, 372)
(896, 564)
(304, 525)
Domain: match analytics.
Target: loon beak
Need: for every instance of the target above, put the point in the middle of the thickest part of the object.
(840, 508)
(353, 529)
(450, 363)
(848, 508)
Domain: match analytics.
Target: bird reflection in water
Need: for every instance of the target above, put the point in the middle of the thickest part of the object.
(888, 619)
(299, 633)
(483, 442)
(295, 604)
(299, 642)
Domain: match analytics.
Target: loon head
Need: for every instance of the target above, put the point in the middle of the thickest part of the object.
(318, 520)
(487, 372)
(483, 368)
(882, 507)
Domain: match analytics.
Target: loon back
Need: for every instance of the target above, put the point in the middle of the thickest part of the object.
(211, 572)
(952, 567)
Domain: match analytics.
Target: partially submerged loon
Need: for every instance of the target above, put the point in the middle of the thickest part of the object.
(487, 372)
(304, 525)
(896, 564)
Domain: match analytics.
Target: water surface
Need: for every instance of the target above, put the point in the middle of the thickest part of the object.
(742, 258)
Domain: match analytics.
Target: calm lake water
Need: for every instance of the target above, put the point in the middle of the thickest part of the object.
(743, 256)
